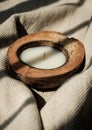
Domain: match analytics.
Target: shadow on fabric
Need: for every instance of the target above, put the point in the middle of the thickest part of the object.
(2, 0)
(29, 6)
(8, 121)
(26, 6)
(83, 119)
(21, 31)
(80, 3)
(78, 27)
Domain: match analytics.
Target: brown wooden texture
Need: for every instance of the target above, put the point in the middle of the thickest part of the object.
(46, 78)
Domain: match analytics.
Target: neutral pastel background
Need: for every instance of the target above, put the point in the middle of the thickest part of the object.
(70, 106)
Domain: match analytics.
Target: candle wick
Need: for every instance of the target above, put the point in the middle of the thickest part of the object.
(44, 55)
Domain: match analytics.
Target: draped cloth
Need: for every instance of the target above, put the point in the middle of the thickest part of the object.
(68, 107)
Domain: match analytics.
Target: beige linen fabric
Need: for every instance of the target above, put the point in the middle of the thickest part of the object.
(67, 108)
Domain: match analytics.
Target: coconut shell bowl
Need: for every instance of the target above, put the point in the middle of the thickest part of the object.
(39, 78)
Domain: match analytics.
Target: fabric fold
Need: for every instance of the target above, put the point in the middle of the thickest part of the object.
(65, 108)
(67, 101)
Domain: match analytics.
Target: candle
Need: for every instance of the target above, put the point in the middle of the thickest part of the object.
(43, 61)
(43, 57)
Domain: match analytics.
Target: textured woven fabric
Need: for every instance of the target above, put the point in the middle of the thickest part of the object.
(70, 106)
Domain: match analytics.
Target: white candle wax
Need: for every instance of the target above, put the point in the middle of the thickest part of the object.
(43, 57)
